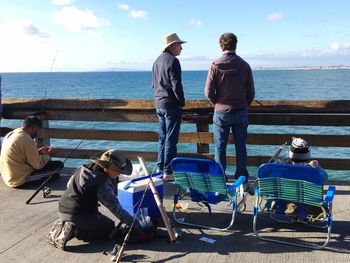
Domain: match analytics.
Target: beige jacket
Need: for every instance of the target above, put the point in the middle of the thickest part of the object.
(19, 158)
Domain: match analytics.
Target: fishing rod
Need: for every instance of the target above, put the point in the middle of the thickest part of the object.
(119, 250)
(253, 185)
(45, 94)
(42, 186)
(47, 190)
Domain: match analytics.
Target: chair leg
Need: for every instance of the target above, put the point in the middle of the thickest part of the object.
(183, 222)
(305, 245)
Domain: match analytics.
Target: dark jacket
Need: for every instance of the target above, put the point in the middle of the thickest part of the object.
(230, 83)
(0, 100)
(88, 185)
(166, 82)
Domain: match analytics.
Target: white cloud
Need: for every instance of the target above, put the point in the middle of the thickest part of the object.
(76, 20)
(275, 17)
(335, 54)
(335, 49)
(123, 7)
(24, 47)
(195, 22)
(339, 47)
(138, 13)
(133, 12)
(30, 29)
(62, 2)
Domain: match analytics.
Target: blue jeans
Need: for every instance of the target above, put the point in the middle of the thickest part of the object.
(169, 128)
(223, 121)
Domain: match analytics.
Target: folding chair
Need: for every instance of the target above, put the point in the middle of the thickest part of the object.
(205, 182)
(282, 184)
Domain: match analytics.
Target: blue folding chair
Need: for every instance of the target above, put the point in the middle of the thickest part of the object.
(283, 184)
(205, 182)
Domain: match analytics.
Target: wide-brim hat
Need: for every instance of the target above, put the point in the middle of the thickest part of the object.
(299, 150)
(171, 39)
(115, 161)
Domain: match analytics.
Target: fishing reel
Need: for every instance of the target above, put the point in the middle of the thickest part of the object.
(46, 191)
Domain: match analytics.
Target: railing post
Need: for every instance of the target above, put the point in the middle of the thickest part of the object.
(202, 147)
(44, 141)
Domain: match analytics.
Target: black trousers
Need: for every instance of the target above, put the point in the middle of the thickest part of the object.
(90, 227)
(39, 176)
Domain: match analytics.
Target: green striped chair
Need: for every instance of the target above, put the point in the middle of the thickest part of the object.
(205, 182)
(281, 184)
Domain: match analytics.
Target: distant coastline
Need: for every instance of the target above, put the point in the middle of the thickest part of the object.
(303, 68)
(254, 68)
(340, 67)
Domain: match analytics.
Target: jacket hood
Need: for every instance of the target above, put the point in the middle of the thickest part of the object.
(228, 63)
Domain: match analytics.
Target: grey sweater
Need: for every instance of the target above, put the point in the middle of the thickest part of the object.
(230, 83)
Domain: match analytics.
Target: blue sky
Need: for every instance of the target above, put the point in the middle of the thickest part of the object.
(110, 34)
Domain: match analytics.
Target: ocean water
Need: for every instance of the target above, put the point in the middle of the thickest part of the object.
(269, 84)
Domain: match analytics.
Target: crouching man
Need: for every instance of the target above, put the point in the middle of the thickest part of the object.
(78, 207)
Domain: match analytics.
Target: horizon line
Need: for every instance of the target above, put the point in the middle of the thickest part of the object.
(188, 70)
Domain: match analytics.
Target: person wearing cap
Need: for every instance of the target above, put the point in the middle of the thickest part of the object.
(78, 207)
(169, 101)
(300, 154)
(230, 87)
(22, 164)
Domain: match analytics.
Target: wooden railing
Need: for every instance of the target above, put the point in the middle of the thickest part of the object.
(198, 113)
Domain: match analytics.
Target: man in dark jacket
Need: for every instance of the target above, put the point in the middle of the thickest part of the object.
(230, 87)
(169, 100)
(78, 207)
(0, 106)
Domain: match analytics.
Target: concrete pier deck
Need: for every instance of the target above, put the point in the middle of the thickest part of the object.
(23, 229)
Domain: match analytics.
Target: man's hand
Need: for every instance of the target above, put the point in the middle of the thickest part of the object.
(46, 150)
(313, 163)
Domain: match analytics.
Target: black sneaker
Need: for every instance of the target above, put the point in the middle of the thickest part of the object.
(66, 234)
(251, 188)
(54, 232)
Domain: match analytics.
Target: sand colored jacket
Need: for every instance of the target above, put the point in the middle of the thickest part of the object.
(19, 158)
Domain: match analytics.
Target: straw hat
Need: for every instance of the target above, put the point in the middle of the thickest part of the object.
(115, 161)
(171, 39)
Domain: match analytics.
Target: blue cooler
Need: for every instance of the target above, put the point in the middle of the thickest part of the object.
(130, 193)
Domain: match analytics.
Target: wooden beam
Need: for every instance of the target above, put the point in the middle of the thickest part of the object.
(299, 119)
(191, 137)
(301, 106)
(263, 106)
(333, 164)
(201, 146)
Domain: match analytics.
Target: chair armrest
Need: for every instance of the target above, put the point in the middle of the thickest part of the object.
(237, 183)
(330, 194)
(257, 191)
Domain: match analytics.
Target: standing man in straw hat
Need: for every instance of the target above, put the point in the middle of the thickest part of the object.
(169, 101)
(78, 207)
(230, 87)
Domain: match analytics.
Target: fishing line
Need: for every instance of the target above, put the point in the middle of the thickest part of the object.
(45, 94)
(70, 154)
(42, 186)
(116, 248)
